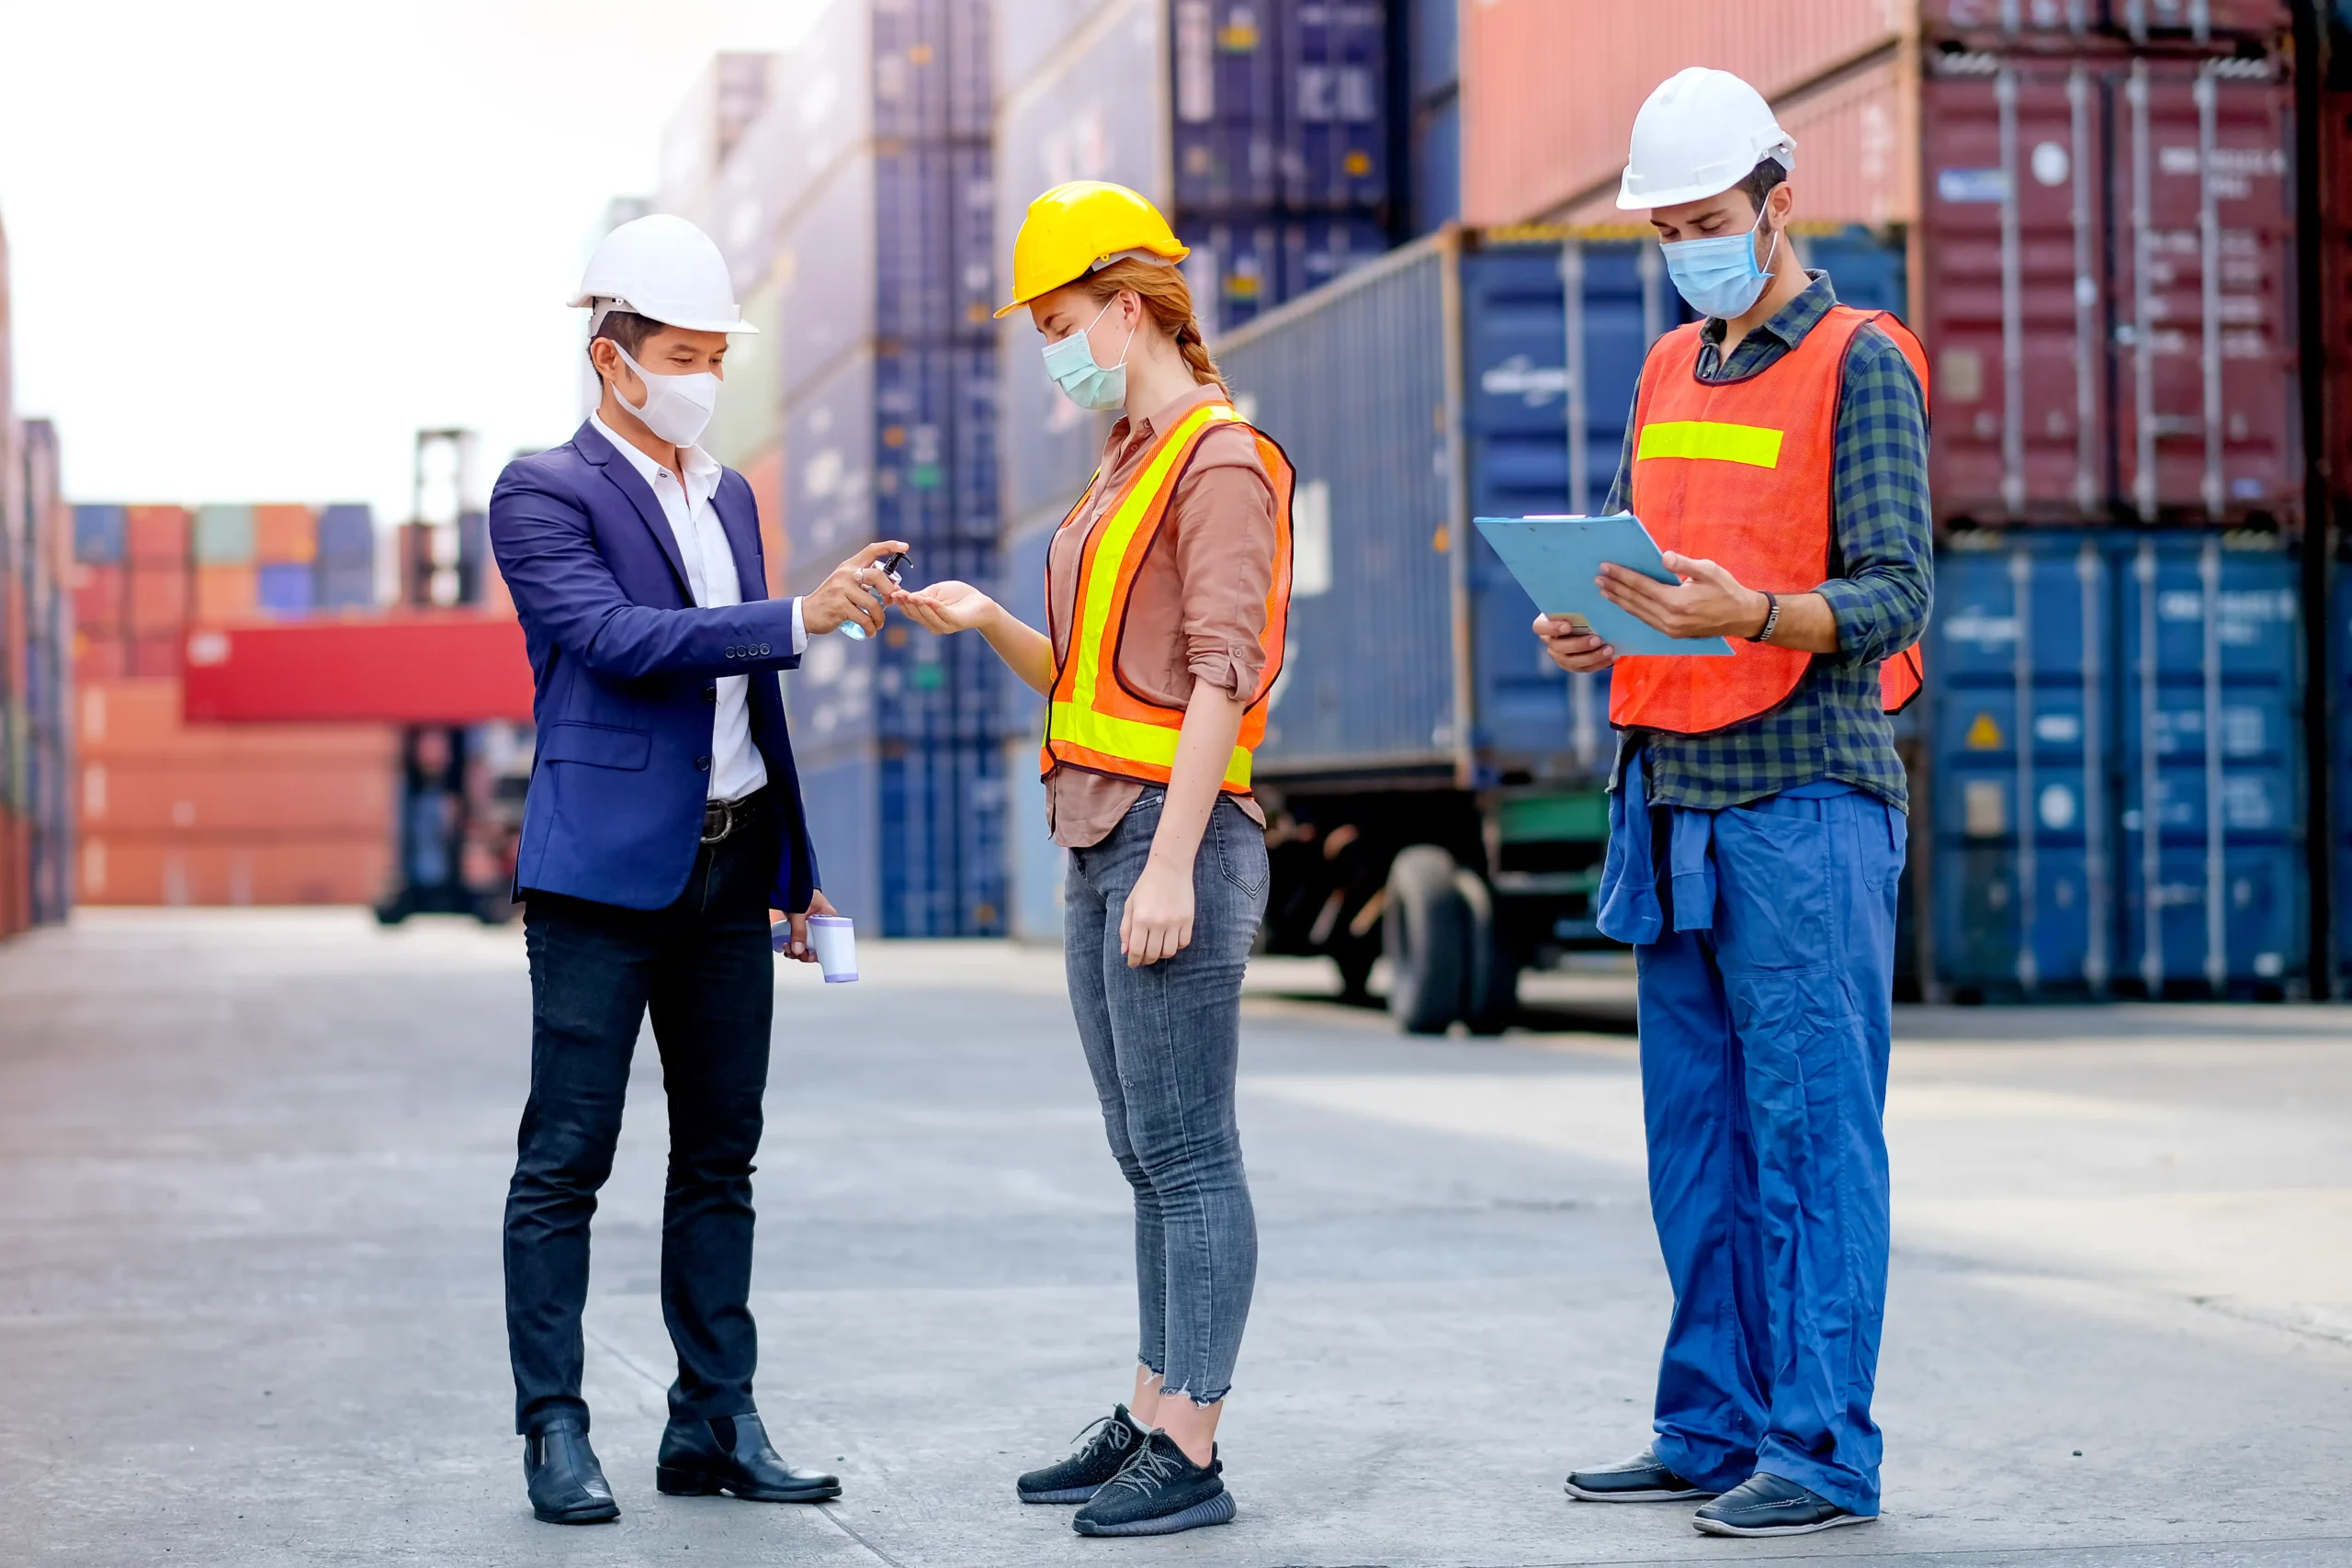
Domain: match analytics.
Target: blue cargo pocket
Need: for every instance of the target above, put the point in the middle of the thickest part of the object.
(1775, 869)
(598, 745)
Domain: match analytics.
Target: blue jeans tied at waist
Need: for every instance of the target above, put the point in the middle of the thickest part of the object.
(1766, 1014)
(1163, 1042)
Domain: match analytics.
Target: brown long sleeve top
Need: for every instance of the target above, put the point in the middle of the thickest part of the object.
(1198, 612)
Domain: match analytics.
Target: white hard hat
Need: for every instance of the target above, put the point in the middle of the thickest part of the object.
(663, 268)
(1698, 135)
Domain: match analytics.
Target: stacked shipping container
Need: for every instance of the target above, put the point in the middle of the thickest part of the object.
(855, 209)
(170, 814)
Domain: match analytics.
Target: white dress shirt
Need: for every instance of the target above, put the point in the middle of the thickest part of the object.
(736, 766)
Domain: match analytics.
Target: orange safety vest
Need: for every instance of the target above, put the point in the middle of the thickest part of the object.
(1739, 473)
(1095, 721)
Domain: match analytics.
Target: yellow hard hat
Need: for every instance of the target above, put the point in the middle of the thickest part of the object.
(1081, 225)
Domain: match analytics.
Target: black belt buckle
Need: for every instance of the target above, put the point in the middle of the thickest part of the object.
(717, 821)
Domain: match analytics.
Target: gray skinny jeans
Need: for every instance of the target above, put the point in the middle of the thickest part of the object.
(1164, 1043)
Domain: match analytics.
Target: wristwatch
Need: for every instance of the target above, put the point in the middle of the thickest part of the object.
(1771, 617)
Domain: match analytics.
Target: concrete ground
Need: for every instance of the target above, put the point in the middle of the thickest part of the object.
(251, 1170)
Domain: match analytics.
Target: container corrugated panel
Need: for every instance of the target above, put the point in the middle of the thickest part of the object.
(1318, 249)
(1437, 165)
(1226, 71)
(1433, 52)
(749, 420)
(286, 589)
(99, 535)
(2207, 416)
(1550, 375)
(347, 534)
(1549, 91)
(1335, 106)
(156, 535)
(1235, 270)
(1352, 385)
(871, 456)
(158, 599)
(225, 593)
(223, 535)
(909, 839)
(908, 685)
(342, 585)
(2211, 716)
(2021, 813)
(1029, 34)
(284, 534)
(1869, 269)
(101, 599)
(232, 871)
(1097, 108)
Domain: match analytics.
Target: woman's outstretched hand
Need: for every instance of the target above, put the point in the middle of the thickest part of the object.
(945, 607)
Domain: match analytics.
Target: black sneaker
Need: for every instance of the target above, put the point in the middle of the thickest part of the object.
(1641, 1479)
(1771, 1505)
(1158, 1492)
(1103, 1451)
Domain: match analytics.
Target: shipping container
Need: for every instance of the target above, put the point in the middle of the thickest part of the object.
(101, 599)
(1036, 865)
(906, 685)
(99, 535)
(910, 839)
(2077, 24)
(286, 589)
(133, 720)
(233, 794)
(224, 593)
(237, 871)
(223, 535)
(346, 585)
(348, 534)
(285, 535)
(158, 598)
(156, 535)
(893, 445)
(1334, 116)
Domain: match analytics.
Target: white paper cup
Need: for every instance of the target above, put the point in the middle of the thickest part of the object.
(835, 939)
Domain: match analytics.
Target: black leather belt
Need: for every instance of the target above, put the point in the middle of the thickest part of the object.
(720, 818)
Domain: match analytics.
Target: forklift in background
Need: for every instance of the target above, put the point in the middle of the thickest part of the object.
(462, 786)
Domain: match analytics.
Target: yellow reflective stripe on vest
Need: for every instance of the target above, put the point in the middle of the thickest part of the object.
(1133, 740)
(1756, 445)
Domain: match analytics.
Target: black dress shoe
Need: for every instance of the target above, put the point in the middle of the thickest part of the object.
(566, 1483)
(1770, 1504)
(700, 1459)
(1641, 1479)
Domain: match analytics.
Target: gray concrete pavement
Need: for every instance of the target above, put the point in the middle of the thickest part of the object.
(251, 1168)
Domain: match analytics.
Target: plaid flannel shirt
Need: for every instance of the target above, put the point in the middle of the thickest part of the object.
(1832, 726)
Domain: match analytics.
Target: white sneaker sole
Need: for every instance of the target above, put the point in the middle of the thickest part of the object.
(1717, 1527)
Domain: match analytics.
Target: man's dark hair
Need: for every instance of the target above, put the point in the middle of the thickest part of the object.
(627, 329)
(1758, 184)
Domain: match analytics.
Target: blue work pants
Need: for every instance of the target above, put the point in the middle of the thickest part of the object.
(1765, 1025)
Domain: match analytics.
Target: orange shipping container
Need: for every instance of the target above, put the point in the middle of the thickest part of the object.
(259, 796)
(102, 657)
(225, 593)
(1857, 139)
(158, 598)
(1549, 88)
(229, 870)
(285, 535)
(764, 473)
(156, 535)
(158, 655)
(139, 720)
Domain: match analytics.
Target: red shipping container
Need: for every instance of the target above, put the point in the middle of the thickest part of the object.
(1549, 90)
(236, 795)
(156, 655)
(2015, 322)
(158, 598)
(101, 596)
(229, 870)
(157, 536)
(2206, 411)
(285, 535)
(417, 667)
(99, 659)
(224, 593)
(139, 720)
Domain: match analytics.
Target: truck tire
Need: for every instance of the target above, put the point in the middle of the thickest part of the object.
(1490, 977)
(1420, 930)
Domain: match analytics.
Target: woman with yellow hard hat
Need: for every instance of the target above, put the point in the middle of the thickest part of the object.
(1166, 586)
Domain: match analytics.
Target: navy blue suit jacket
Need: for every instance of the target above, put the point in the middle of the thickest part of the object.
(623, 666)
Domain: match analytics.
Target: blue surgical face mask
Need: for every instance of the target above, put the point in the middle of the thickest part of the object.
(1719, 275)
(1089, 385)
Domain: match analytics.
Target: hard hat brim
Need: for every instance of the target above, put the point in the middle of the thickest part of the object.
(1170, 259)
(684, 324)
(1629, 202)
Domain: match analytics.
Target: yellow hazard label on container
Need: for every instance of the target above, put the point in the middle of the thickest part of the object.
(1983, 735)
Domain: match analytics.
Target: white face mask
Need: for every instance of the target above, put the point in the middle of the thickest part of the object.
(677, 408)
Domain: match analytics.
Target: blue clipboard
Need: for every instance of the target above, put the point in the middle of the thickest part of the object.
(1555, 560)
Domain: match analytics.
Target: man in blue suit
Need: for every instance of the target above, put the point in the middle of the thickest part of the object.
(663, 824)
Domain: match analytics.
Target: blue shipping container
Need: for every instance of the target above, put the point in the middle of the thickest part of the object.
(891, 445)
(1334, 112)
(1225, 91)
(347, 534)
(1036, 863)
(2211, 712)
(909, 839)
(346, 585)
(289, 589)
(909, 685)
(2021, 659)
(98, 534)
(1437, 165)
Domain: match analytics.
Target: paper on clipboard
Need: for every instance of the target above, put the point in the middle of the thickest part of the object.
(1555, 560)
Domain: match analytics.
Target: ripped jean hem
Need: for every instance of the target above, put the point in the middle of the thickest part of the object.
(1202, 1402)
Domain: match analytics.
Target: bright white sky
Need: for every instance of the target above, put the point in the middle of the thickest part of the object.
(257, 243)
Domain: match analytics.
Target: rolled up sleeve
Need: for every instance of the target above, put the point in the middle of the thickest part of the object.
(1224, 512)
(1881, 508)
